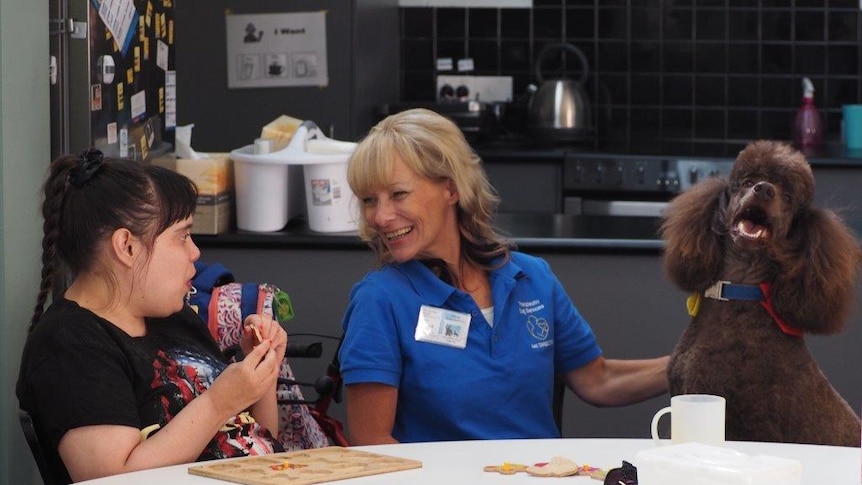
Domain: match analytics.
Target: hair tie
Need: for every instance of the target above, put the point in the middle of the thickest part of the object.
(89, 162)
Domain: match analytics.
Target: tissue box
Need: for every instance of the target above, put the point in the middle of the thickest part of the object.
(213, 176)
(689, 463)
(280, 131)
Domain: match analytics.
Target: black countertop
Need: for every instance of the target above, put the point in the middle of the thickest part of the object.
(554, 232)
(828, 155)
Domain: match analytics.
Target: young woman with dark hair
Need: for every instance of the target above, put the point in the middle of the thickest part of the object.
(119, 372)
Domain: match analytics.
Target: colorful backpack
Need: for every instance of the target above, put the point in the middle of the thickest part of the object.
(223, 304)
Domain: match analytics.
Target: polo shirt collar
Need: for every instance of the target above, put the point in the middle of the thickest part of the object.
(435, 291)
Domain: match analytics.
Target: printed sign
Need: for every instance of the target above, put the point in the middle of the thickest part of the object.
(276, 49)
(121, 18)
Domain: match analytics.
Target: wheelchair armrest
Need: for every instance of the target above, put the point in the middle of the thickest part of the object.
(311, 351)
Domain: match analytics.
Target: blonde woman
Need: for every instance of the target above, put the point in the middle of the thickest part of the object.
(457, 336)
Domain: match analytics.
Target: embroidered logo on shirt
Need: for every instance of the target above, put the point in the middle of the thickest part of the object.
(536, 325)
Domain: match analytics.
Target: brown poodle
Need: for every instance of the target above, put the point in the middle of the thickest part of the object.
(787, 269)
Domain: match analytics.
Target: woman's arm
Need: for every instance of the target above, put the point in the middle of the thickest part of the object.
(96, 451)
(603, 382)
(612, 382)
(371, 413)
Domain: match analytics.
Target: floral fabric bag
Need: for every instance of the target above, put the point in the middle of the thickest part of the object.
(223, 305)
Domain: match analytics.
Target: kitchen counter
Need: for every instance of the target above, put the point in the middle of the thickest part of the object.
(829, 155)
(534, 221)
(528, 231)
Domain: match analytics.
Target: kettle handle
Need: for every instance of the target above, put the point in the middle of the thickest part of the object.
(540, 58)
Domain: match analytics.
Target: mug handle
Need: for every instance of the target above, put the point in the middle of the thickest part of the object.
(654, 426)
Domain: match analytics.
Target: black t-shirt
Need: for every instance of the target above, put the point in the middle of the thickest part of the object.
(78, 369)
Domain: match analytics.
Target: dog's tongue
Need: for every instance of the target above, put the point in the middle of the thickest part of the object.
(749, 229)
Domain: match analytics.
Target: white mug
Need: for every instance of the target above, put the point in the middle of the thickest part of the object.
(694, 417)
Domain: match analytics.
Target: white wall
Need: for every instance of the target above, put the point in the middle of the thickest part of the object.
(24, 156)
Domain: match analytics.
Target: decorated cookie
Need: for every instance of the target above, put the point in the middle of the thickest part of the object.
(557, 467)
(592, 472)
(506, 468)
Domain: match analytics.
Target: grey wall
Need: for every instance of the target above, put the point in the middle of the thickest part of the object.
(363, 72)
(24, 155)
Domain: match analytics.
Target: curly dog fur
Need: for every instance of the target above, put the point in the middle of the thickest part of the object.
(761, 227)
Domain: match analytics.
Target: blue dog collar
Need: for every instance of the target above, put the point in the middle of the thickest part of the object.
(725, 290)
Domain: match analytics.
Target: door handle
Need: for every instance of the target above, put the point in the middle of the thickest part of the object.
(75, 29)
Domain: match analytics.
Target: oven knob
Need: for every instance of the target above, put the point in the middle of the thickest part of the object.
(619, 175)
(462, 93)
(692, 175)
(600, 173)
(447, 93)
(579, 174)
(641, 175)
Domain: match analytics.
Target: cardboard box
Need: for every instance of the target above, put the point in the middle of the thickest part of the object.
(213, 176)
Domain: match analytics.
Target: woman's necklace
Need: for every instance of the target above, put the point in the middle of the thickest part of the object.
(474, 281)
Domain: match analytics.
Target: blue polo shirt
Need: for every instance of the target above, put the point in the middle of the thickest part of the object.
(500, 385)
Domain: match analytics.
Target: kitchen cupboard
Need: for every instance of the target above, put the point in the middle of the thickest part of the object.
(533, 186)
(634, 311)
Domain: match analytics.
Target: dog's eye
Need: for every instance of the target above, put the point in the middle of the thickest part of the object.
(747, 183)
(787, 198)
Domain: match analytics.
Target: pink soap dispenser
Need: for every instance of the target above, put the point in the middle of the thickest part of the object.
(808, 129)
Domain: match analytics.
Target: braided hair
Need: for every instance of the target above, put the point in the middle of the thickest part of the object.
(87, 197)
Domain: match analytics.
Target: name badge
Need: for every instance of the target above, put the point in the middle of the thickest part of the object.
(443, 327)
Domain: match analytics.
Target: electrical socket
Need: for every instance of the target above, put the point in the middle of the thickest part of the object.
(487, 89)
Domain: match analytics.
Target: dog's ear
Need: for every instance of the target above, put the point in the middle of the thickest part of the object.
(815, 286)
(693, 228)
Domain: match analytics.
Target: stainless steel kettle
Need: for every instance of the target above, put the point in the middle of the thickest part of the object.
(559, 110)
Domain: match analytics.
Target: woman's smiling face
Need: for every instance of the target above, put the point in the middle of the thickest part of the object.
(414, 215)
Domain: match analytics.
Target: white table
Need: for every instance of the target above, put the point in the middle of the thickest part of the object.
(462, 462)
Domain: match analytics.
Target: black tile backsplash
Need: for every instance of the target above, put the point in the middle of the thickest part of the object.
(692, 73)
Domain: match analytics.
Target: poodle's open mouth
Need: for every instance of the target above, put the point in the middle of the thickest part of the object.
(751, 224)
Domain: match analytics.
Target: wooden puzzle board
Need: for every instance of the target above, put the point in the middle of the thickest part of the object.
(304, 467)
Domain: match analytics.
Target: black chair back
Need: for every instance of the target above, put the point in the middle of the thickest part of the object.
(559, 396)
(47, 459)
(328, 389)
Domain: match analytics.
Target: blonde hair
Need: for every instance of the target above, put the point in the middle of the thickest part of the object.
(434, 148)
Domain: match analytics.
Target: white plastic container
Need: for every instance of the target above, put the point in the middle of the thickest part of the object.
(269, 191)
(699, 464)
(329, 202)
